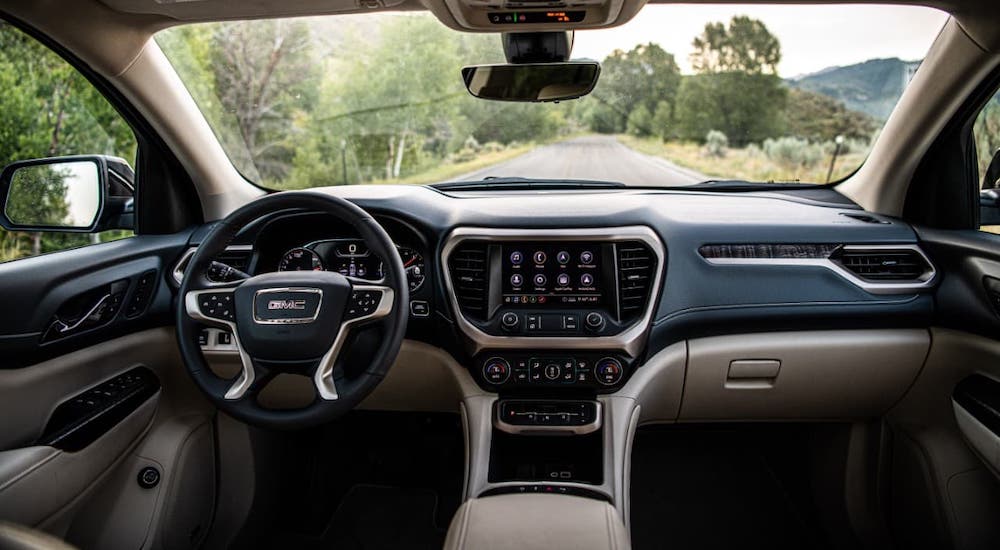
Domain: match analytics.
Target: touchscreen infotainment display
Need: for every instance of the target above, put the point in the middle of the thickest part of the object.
(559, 275)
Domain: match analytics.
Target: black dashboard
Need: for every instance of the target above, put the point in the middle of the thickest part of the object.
(542, 291)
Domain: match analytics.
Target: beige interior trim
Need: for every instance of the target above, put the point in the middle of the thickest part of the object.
(536, 522)
(926, 416)
(844, 374)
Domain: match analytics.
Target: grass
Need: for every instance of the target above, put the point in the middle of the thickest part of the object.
(745, 164)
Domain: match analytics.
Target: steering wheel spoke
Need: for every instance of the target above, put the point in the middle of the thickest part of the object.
(366, 304)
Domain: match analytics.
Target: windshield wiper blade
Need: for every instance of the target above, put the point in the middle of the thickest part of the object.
(524, 184)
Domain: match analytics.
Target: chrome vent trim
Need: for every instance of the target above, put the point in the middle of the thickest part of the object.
(925, 281)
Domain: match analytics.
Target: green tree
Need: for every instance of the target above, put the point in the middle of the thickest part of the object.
(737, 89)
(820, 118)
(644, 76)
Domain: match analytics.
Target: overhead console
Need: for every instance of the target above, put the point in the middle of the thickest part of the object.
(533, 15)
(553, 308)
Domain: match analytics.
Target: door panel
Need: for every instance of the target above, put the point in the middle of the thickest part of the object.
(73, 424)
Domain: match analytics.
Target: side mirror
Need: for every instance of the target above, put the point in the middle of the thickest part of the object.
(77, 194)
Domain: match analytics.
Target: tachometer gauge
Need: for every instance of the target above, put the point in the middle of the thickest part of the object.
(300, 259)
(413, 263)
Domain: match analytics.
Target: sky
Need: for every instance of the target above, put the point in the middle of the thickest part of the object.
(812, 37)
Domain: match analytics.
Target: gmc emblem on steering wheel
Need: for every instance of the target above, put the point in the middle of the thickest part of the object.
(283, 306)
(286, 304)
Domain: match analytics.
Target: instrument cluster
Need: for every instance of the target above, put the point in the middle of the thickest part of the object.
(352, 258)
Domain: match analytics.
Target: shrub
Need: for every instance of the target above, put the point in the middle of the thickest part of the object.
(716, 143)
(793, 152)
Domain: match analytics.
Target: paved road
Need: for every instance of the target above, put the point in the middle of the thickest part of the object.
(590, 158)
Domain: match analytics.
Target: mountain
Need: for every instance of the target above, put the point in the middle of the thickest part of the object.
(871, 87)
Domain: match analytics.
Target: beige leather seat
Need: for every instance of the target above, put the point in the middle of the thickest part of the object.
(536, 522)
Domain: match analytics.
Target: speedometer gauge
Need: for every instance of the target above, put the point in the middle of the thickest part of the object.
(413, 263)
(300, 259)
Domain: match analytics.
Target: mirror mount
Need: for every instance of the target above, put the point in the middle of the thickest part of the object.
(537, 47)
(98, 188)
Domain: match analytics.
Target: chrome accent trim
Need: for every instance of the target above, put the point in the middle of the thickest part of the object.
(515, 429)
(247, 375)
(323, 379)
(177, 273)
(287, 320)
(68, 327)
(630, 340)
(925, 282)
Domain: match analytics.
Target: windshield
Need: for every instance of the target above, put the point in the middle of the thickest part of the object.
(686, 94)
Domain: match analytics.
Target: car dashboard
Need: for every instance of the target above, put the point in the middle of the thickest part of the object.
(540, 295)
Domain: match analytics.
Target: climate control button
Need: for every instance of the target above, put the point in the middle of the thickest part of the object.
(608, 371)
(552, 371)
(496, 370)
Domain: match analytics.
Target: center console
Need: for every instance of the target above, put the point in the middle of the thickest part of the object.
(554, 321)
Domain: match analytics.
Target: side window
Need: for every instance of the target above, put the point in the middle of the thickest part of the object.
(48, 109)
(987, 134)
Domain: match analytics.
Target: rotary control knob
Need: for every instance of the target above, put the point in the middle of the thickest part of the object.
(496, 370)
(594, 321)
(609, 371)
(510, 321)
(552, 371)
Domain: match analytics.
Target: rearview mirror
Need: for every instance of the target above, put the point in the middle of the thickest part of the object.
(532, 81)
(77, 194)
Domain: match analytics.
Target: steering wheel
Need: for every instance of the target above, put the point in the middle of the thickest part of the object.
(293, 322)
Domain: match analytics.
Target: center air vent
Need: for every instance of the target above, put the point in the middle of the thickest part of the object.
(467, 265)
(636, 268)
(884, 264)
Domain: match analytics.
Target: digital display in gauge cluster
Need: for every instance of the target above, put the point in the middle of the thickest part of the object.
(351, 258)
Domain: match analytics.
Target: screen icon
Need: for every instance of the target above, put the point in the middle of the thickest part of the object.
(586, 257)
(562, 279)
(516, 257)
(562, 257)
(516, 279)
(540, 280)
(586, 279)
(540, 257)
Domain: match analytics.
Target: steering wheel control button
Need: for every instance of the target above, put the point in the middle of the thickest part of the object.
(217, 305)
(594, 321)
(608, 371)
(496, 370)
(363, 302)
(148, 477)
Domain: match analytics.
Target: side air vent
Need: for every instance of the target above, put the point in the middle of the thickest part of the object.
(468, 268)
(884, 264)
(636, 270)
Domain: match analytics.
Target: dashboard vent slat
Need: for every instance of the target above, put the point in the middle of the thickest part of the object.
(468, 265)
(884, 264)
(636, 267)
